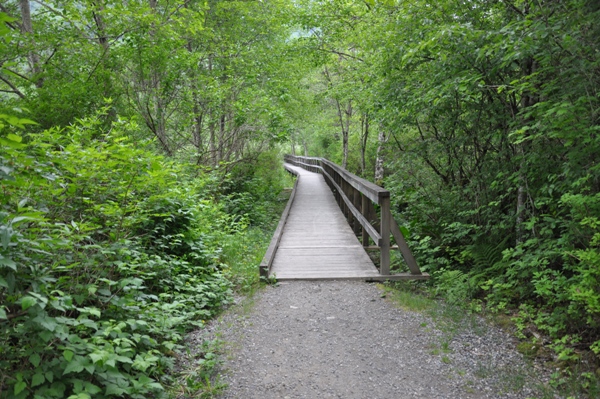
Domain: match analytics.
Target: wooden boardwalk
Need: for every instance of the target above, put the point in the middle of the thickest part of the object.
(317, 242)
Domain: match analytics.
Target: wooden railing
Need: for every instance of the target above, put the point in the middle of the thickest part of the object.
(357, 198)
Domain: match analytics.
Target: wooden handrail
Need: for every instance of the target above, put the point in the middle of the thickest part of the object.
(356, 197)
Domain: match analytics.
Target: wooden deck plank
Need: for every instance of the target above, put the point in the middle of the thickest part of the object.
(317, 242)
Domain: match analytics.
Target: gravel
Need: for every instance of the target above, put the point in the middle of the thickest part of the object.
(341, 339)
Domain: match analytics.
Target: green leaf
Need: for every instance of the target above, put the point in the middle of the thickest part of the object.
(49, 376)
(68, 355)
(3, 282)
(35, 359)
(92, 389)
(114, 389)
(46, 335)
(404, 232)
(124, 359)
(48, 323)
(27, 302)
(38, 379)
(96, 357)
(90, 368)
(14, 137)
(3, 315)
(74, 366)
(12, 144)
(31, 217)
(5, 235)
(20, 386)
(8, 263)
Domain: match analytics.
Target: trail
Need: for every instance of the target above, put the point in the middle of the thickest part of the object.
(344, 340)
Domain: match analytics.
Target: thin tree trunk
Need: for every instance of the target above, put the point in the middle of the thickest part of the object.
(521, 197)
(197, 109)
(198, 119)
(527, 101)
(365, 137)
(346, 132)
(213, 142)
(158, 105)
(101, 26)
(344, 117)
(198, 116)
(221, 145)
(379, 161)
(27, 29)
(293, 143)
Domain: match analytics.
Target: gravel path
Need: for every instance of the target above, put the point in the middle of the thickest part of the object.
(343, 340)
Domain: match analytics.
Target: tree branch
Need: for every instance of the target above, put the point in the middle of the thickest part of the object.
(14, 88)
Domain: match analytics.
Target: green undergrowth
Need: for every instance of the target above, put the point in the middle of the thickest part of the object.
(109, 255)
(201, 378)
(570, 379)
(242, 254)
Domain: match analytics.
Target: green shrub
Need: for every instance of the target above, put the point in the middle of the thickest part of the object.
(107, 257)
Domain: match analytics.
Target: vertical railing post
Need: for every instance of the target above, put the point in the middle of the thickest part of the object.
(347, 213)
(384, 203)
(356, 200)
(364, 209)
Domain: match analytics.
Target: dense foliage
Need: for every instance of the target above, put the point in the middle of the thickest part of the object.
(109, 251)
(203, 78)
(499, 106)
(108, 257)
(484, 116)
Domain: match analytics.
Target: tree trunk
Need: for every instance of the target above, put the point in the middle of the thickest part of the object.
(32, 57)
(379, 161)
(346, 133)
(527, 101)
(101, 26)
(198, 119)
(214, 159)
(520, 214)
(364, 137)
(158, 106)
(221, 145)
(344, 117)
(198, 115)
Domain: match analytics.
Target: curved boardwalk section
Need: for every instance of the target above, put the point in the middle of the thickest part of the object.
(317, 242)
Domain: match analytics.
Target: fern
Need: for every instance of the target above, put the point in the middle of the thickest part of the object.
(486, 256)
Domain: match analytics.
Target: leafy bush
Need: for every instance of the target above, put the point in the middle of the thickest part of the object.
(107, 256)
(253, 186)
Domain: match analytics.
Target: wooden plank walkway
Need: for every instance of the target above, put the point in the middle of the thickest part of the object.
(317, 242)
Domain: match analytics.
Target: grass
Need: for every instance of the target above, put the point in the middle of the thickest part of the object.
(201, 378)
(413, 296)
(403, 295)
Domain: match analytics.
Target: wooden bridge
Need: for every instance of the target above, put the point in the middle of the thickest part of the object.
(318, 235)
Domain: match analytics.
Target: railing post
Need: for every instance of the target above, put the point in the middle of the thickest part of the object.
(384, 203)
(357, 204)
(364, 209)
